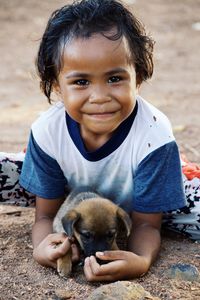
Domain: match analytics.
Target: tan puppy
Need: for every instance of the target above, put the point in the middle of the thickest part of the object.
(93, 221)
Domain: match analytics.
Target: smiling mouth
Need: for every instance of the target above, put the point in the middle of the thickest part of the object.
(102, 115)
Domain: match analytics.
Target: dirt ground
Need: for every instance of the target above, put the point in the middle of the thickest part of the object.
(174, 89)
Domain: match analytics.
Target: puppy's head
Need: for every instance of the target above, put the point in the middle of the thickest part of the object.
(95, 224)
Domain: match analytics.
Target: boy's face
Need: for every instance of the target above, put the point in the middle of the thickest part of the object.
(98, 86)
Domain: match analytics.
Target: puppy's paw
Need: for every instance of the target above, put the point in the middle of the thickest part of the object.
(64, 265)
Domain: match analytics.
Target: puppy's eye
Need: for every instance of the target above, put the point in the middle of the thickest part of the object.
(110, 234)
(86, 234)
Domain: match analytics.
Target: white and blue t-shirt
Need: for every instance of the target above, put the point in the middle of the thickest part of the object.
(138, 168)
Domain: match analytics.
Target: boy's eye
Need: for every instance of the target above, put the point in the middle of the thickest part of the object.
(81, 82)
(114, 79)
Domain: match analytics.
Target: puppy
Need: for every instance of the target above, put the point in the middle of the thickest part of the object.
(93, 221)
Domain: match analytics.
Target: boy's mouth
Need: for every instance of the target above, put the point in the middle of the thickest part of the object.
(101, 115)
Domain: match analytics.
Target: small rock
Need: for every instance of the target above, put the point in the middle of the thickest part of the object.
(185, 272)
(63, 294)
(179, 128)
(196, 26)
(121, 290)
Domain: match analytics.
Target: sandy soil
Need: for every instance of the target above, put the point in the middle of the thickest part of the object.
(174, 89)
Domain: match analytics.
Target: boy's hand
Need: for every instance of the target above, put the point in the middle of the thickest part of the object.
(54, 246)
(122, 265)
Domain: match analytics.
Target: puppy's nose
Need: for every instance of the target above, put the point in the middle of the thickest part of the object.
(89, 253)
(102, 262)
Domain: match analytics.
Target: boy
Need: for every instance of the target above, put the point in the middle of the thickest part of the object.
(94, 55)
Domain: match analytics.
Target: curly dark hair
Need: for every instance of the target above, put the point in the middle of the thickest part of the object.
(83, 19)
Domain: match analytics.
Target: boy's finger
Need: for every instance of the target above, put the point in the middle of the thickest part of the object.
(90, 274)
(111, 255)
(53, 264)
(87, 269)
(75, 253)
(95, 267)
(59, 237)
(102, 270)
(61, 249)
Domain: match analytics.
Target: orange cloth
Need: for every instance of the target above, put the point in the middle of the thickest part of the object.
(190, 170)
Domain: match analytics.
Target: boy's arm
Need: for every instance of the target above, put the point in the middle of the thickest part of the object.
(145, 238)
(44, 215)
(44, 240)
(144, 245)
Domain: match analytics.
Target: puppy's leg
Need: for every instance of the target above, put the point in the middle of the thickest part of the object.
(64, 264)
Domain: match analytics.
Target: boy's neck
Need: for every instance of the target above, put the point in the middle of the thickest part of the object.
(94, 141)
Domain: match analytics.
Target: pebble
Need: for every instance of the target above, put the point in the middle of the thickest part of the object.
(121, 290)
(63, 294)
(185, 272)
(196, 26)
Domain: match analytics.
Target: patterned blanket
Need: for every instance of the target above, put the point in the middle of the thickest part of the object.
(185, 220)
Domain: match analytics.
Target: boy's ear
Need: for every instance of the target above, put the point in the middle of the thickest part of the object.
(56, 89)
(69, 221)
(138, 81)
(137, 88)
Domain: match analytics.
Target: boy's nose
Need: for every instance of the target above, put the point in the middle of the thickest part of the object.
(99, 95)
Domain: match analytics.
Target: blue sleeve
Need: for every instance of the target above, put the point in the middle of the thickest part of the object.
(158, 183)
(41, 174)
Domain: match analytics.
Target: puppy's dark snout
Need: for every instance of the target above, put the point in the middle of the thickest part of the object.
(90, 250)
(102, 262)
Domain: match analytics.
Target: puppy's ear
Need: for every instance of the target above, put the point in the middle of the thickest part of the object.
(125, 219)
(69, 220)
